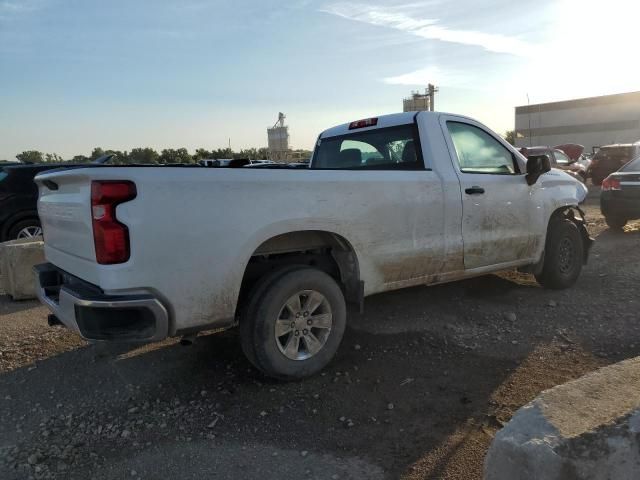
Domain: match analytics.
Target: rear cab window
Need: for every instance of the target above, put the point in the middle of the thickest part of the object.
(478, 152)
(391, 148)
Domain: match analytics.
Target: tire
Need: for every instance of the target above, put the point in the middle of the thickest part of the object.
(291, 355)
(564, 253)
(27, 228)
(615, 223)
(249, 305)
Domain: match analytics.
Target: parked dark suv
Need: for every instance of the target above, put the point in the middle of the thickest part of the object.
(18, 200)
(566, 158)
(610, 158)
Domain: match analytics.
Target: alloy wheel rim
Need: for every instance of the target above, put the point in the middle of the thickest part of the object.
(30, 232)
(303, 325)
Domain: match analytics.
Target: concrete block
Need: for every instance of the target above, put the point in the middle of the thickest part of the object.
(17, 258)
(586, 429)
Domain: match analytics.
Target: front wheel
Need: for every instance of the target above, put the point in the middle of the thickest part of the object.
(563, 257)
(293, 327)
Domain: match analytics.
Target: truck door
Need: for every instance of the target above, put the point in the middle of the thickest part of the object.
(496, 200)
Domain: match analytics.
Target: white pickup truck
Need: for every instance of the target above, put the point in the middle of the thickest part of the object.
(143, 253)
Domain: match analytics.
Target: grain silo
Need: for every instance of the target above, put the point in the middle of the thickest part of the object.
(278, 137)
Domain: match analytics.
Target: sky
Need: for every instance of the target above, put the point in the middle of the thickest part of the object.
(119, 74)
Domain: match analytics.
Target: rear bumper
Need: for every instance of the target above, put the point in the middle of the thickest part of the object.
(95, 316)
(612, 205)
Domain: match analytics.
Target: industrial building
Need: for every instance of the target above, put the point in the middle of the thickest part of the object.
(591, 122)
(418, 102)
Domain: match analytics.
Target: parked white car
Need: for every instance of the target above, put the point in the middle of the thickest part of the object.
(141, 253)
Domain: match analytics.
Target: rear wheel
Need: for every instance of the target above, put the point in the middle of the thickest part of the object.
(615, 223)
(255, 294)
(28, 228)
(563, 257)
(292, 328)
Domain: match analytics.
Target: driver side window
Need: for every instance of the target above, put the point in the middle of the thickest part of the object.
(479, 152)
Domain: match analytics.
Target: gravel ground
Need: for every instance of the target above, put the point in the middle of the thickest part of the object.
(421, 384)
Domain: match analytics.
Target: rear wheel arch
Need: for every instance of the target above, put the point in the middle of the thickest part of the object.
(327, 251)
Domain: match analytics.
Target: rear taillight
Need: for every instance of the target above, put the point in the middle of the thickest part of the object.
(111, 237)
(610, 183)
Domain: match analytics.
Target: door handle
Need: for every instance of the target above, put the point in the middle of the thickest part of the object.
(475, 190)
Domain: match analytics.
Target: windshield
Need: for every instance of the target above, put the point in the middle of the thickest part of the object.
(392, 148)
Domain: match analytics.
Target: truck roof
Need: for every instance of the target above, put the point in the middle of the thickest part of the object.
(390, 120)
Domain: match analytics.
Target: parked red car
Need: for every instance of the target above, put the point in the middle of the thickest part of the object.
(564, 157)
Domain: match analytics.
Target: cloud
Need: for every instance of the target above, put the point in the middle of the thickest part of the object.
(14, 6)
(398, 18)
(433, 74)
(419, 77)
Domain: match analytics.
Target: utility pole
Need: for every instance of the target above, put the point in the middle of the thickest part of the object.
(529, 115)
(432, 89)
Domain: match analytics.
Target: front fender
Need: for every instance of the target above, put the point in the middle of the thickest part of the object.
(563, 189)
(557, 193)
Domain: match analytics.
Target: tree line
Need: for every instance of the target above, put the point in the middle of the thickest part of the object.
(149, 155)
(168, 155)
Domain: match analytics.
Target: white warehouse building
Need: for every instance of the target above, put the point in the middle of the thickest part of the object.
(591, 122)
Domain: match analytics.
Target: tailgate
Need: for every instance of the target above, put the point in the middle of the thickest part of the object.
(64, 208)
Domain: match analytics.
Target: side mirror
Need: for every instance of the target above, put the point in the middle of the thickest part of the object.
(536, 166)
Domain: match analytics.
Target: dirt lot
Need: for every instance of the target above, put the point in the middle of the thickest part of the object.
(421, 384)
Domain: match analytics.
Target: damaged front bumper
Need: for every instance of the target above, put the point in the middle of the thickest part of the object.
(581, 223)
